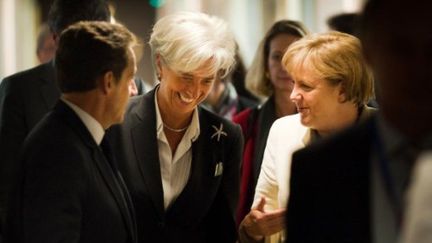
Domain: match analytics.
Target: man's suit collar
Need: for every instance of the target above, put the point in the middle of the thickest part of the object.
(103, 163)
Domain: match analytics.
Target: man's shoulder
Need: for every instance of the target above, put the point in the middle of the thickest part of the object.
(31, 73)
(27, 78)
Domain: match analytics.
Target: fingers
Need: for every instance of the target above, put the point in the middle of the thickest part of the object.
(261, 204)
(267, 223)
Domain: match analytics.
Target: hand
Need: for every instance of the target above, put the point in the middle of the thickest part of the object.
(259, 223)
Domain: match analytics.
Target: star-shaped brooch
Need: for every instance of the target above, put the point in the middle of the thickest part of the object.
(219, 132)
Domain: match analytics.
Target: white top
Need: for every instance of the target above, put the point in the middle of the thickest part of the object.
(417, 223)
(286, 136)
(175, 170)
(92, 125)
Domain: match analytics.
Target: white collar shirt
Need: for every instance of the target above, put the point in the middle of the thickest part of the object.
(93, 126)
(175, 169)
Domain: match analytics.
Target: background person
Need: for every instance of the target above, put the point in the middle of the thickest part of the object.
(181, 162)
(224, 99)
(266, 78)
(331, 86)
(46, 47)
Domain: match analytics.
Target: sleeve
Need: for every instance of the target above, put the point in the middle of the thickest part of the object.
(267, 185)
(52, 193)
(13, 131)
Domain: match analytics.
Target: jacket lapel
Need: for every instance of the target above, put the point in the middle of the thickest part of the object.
(114, 185)
(143, 134)
(193, 203)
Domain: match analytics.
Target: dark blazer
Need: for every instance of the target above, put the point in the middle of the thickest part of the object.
(25, 98)
(67, 191)
(330, 189)
(204, 211)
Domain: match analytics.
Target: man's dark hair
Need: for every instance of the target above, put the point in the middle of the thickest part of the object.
(344, 22)
(87, 50)
(66, 12)
(367, 20)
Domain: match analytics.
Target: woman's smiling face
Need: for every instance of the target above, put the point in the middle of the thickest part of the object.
(180, 92)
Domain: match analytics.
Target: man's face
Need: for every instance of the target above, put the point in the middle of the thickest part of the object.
(121, 90)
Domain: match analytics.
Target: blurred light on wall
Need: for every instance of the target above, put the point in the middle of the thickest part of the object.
(157, 3)
(352, 5)
(8, 36)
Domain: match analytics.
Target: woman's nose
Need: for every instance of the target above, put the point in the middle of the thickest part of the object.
(295, 95)
(193, 91)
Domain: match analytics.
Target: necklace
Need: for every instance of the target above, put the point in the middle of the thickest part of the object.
(174, 129)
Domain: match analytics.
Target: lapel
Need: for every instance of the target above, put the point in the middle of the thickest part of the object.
(49, 88)
(144, 139)
(266, 117)
(100, 161)
(202, 186)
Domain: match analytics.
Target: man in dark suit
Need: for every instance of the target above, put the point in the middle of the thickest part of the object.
(351, 188)
(68, 187)
(27, 96)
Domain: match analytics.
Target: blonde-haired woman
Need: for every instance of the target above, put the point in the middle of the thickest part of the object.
(331, 86)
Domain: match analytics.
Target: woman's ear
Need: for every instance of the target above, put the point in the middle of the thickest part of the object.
(342, 98)
(158, 60)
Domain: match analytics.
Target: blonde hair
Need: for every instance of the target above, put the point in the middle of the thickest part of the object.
(187, 40)
(335, 57)
(256, 79)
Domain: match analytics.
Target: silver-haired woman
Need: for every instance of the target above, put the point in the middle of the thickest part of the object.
(181, 162)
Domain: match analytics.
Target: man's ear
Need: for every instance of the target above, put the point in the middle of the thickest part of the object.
(106, 82)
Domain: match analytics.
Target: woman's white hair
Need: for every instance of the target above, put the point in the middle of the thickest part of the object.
(186, 41)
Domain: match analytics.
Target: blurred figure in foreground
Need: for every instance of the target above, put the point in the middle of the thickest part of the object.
(344, 22)
(417, 225)
(352, 187)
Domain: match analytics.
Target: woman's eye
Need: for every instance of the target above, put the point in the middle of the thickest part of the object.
(276, 57)
(208, 81)
(187, 78)
(305, 87)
